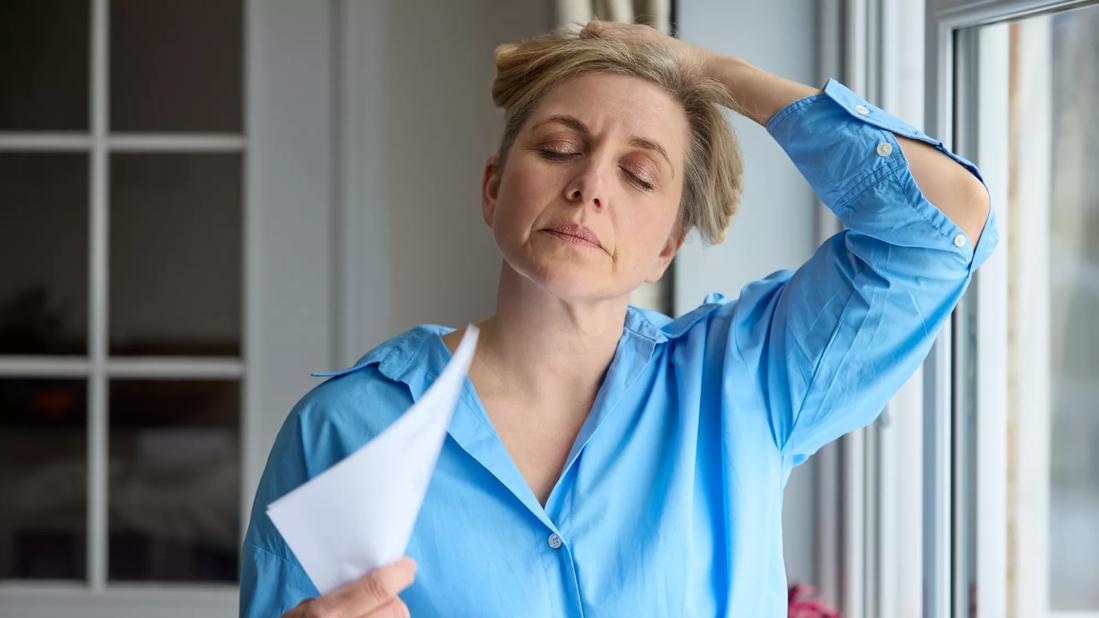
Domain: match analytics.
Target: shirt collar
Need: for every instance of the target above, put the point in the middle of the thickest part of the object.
(415, 357)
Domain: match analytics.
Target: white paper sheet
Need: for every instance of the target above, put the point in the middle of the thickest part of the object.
(359, 514)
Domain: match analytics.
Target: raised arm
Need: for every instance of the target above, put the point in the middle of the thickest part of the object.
(820, 350)
(759, 95)
(947, 185)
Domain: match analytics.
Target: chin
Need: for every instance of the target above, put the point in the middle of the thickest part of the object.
(570, 281)
(565, 273)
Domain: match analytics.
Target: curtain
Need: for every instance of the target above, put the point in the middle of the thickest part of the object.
(655, 13)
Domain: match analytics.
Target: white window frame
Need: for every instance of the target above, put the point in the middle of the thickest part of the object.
(863, 532)
(988, 148)
(290, 316)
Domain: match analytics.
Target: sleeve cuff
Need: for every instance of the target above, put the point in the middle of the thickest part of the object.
(861, 109)
(845, 147)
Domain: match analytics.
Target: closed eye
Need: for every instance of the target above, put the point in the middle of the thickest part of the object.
(553, 155)
(641, 183)
(557, 156)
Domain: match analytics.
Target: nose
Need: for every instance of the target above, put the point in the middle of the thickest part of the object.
(587, 185)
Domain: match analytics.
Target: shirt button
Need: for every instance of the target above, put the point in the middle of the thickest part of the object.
(959, 240)
(862, 109)
(554, 541)
(885, 149)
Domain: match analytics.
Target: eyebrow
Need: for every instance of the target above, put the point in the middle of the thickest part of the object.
(635, 141)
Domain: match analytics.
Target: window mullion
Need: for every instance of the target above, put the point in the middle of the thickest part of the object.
(97, 381)
(936, 475)
(992, 347)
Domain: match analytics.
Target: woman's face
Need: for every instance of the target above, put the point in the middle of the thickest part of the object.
(603, 151)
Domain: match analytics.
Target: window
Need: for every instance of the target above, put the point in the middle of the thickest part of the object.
(121, 178)
(155, 330)
(1024, 494)
(1052, 148)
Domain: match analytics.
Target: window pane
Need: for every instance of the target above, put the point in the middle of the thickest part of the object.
(176, 65)
(174, 488)
(1046, 145)
(175, 257)
(44, 253)
(44, 58)
(1074, 303)
(43, 478)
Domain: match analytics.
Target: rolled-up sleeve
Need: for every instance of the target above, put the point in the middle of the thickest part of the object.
(829, 344)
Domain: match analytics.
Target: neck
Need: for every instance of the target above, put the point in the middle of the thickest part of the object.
(541, 346)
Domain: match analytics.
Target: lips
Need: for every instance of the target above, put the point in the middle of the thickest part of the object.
(575, 231)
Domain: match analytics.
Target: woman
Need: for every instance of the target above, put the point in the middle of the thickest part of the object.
(606, 460)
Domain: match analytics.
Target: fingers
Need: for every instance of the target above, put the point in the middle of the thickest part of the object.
(591, 29)
(393, 609)
(372, 593)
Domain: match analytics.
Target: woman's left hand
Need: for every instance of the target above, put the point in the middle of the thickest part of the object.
(697, 58)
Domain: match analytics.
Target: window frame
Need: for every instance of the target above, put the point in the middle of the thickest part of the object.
(97, 366)
(954, 77)
(290, 319)
(856, 43)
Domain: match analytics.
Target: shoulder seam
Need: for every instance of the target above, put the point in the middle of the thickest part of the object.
(265, 551)
(408, 360)
(685, 322)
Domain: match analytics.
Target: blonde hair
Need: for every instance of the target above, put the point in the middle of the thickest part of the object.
(527, 70)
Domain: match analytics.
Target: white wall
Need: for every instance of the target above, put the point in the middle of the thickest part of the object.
(439, 263)
(776, 225)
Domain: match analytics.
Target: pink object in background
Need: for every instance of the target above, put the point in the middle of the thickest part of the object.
(802, 607)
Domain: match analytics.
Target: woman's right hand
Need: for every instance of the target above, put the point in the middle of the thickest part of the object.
(373, 595)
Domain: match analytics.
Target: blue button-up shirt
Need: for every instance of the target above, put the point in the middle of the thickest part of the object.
(670, 500)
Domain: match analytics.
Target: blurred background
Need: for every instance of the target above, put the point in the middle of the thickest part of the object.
(201, 201)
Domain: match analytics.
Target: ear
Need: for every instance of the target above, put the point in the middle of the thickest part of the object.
(490, 188)
(667, 252)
